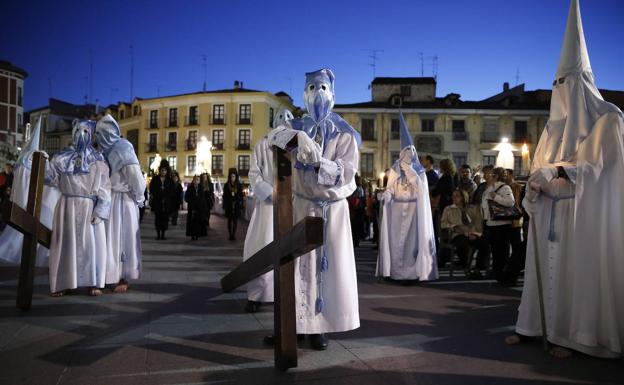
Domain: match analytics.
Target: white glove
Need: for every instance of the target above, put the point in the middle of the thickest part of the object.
(96, 220)
(309, 152)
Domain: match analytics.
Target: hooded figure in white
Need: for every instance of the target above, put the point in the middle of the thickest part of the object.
(260, 230)
(127, 195)
(11, 240)
(78, 248)
(327, 155)
(576, 205)
(406, 239)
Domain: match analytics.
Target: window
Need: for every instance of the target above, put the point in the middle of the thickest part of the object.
(122, 114)
(395, 129)
(243, 165)
(153, 119)
(191, 164)
(218, 114)
(217, 139)
(173, 162)
(517, 165)
(191, 142)
(460, 158)
(368, 129)
(459, 129)
(406, 91)
(488, 159)
(244, 114)
(217, 165)
(520, 131)
(394, 156)
(153, 140)
(192, 118)
(490, 131)
(135, 110)
(173, 117)
(244, 139)
(172, 141)
(367, 164)
(20, 129)
(53, 143)
(271, 117)
(427, 125)
(20, 98)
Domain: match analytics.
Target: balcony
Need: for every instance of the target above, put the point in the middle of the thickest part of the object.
(490, 137)
(151, 123)
(217, 120)
(191, 120)
(217, 146)
(172, 123)
(522, 139)
(460, 135)
(243, 146)
(243, 172)
(151, 147)
(243, 119)
(191, 145)
(171, 146)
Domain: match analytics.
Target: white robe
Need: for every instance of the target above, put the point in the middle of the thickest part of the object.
(582, 269)
(122, 227)
(11, 240)
(331, 183)
(78, 249)
(260, 230)
(406, 238)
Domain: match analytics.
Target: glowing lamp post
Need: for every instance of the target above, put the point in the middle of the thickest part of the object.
(204, 155)
(505, 157)
(155, 164)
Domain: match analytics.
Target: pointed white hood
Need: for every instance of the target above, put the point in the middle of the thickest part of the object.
(25, 157)
(576, 103)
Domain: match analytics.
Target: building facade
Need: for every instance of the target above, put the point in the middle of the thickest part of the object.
(56, 124)
(176, 127)
(465, 131)
(11, 110)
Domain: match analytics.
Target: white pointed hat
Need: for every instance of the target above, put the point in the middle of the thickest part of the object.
(30, 147)
(574, 57)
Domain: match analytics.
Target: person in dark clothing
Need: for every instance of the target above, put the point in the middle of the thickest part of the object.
(446, 184)
(208, 194)
(432, 177)
(142, 208)
(357, 208)
(178, 195)
(477, 197)
(517, 236)
(161, 198)
(232, 201)
(195, 220)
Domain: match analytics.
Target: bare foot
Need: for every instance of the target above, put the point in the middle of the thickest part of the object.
(513, 339)
(121, 287)
(559, 352)
(95, 292)
(57, 294)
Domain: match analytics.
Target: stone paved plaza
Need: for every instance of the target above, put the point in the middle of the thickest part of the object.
(176, 327)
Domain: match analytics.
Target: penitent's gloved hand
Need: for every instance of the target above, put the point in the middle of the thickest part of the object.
(309, 152)
(96, 220)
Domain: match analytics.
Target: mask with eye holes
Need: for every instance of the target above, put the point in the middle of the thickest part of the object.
(282, 116)
(78, 158)
(319, 96)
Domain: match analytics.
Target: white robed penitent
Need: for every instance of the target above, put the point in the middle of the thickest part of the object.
(260, 230)
(577, 220)
(78, 247)
(11, 240)
(406, 238)
(326, 296)
(127, 188)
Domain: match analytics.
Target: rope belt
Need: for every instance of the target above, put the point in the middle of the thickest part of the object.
(324, 262)
(551, 232)
(410, 200)
(92, 197)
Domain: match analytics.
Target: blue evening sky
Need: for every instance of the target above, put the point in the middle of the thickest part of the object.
(269, 45)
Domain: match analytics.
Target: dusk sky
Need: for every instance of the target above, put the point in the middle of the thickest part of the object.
(269, 45)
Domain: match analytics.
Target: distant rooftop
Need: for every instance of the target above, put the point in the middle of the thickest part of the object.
(6, 65)
(409, 80)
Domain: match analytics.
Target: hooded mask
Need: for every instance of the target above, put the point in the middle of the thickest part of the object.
(408, 151)
(78, 158)
(282, 116)
(117, 150)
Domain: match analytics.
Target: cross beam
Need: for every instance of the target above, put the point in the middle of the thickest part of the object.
(289, 243)
(27, 222)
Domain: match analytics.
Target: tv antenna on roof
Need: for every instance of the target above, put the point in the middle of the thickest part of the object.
(205, 70)
(517, 76)
(374, 57)
(131, 72)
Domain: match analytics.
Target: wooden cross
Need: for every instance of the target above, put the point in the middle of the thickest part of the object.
(27, 222)
(289, 242)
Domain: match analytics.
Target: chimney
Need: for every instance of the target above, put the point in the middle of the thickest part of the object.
(237, 84)
(505, 87)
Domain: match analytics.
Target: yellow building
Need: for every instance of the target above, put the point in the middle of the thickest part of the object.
(173, 127)
(465, 131)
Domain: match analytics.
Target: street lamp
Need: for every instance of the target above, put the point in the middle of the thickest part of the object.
(204, 154)
(505, 157)
(155, 164)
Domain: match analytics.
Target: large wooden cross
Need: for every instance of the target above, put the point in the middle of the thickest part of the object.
(289, 242)
(27, 222)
